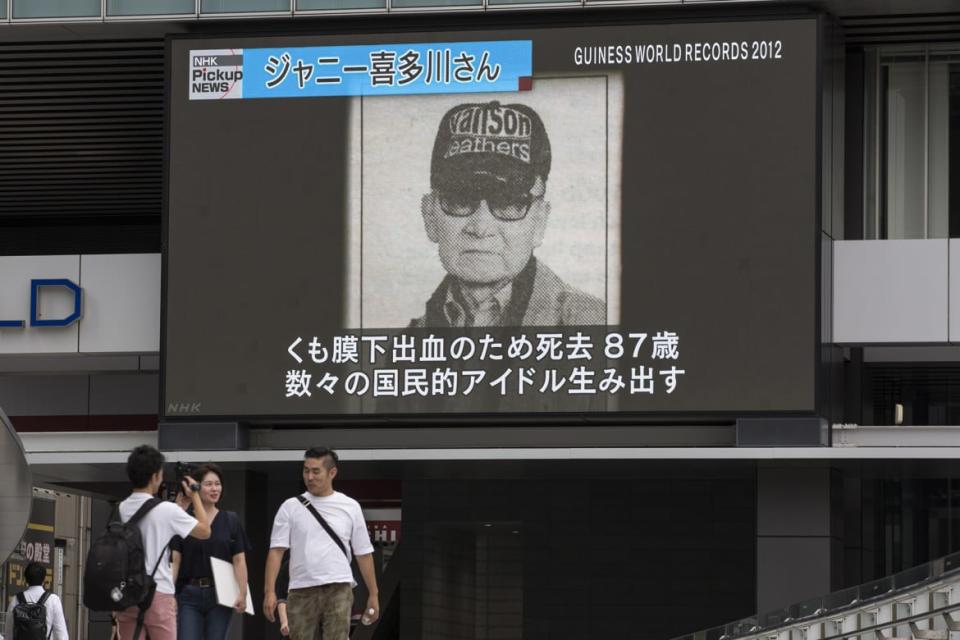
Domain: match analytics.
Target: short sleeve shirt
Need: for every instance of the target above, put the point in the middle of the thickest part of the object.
(158, 528)
(227, 539)
(315, 559)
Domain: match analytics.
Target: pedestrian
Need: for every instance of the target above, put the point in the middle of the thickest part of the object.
(199, 614)
(35, 613)
(158, 526)
(322, 528)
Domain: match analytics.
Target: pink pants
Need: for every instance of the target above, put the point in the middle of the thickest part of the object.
(159, 623)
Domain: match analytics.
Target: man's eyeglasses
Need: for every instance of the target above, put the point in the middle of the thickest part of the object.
(506, 207)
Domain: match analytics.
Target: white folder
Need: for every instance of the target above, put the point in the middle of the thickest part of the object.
(225, 581)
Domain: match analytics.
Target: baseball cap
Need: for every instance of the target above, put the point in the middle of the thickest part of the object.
(478, 144)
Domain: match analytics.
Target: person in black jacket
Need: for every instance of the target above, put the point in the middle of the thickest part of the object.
(199, 616)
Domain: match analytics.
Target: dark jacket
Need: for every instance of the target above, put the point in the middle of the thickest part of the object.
(539, 299)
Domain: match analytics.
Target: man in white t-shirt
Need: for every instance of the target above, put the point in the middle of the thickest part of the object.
(321, 581)
(35, 574)
(157, 528)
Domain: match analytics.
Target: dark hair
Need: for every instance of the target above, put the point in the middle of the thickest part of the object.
(201, 470)
(35, 573)
(331, 459)
(143, 462)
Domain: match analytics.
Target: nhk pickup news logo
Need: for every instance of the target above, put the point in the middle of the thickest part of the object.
(216, 74)
(361, 70)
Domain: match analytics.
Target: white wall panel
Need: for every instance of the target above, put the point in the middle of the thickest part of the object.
(123, 303)
(15, 275)
(890, 291)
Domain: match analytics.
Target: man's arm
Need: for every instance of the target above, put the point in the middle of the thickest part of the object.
(274, 558)
(202, 530)
(369, 573)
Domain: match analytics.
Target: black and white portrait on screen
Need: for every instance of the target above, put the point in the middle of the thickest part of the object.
(485, 210)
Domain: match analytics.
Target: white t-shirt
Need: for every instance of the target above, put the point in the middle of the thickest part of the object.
(315, 559)
(56, 625)
(157, 528)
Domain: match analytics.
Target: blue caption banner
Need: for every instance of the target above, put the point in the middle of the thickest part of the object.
(387, 70)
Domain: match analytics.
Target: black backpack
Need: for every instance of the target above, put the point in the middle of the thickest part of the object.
(115, 576)
(30, 618)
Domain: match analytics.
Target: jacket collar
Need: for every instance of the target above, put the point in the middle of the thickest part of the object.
(512, 315)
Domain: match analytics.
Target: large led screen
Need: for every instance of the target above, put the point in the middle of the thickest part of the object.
(589, 220)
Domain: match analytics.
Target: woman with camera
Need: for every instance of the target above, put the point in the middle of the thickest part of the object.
(199, 616)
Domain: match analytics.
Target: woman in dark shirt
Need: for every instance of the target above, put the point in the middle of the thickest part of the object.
(199, 617)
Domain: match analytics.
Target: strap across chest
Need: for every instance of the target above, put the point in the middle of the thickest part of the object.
(323, 523)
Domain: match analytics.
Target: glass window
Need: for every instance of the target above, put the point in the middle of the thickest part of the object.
(150, 7)
(3, 10)
(912, 124)
(401, 4)
(56, 8)
(904, 151)
(508, 2)
(243, 6)
(339, 5)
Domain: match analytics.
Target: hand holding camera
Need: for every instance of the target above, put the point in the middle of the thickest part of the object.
(185, 486)
(189, 486)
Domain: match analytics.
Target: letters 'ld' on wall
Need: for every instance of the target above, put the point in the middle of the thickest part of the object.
(80, 304)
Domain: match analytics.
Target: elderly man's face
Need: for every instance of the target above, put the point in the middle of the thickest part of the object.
(484, 241)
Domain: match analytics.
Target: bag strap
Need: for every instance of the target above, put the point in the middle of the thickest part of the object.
(139, 627)
(143, 510)
(21, 599)
(323, 523)
(153, 587)
(159, 558)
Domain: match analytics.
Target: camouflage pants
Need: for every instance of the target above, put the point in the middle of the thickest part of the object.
(326, 607)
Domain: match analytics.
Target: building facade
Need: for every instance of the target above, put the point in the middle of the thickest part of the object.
(719, 374)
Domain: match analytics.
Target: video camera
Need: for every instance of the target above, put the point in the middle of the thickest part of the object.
(182, 470)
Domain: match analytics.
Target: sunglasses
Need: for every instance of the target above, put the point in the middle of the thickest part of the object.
(506, 207)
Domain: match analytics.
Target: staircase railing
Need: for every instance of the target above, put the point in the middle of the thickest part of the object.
(916, 604)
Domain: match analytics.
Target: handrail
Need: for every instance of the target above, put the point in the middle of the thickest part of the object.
(926, 615)
(940, 574)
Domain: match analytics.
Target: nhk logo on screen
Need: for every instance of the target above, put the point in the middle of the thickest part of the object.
(216, 74)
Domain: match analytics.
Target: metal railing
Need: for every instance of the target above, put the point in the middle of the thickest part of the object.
(916, 604)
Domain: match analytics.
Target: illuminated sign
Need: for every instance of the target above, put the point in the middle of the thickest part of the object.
(408, 69)
(536, 223)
